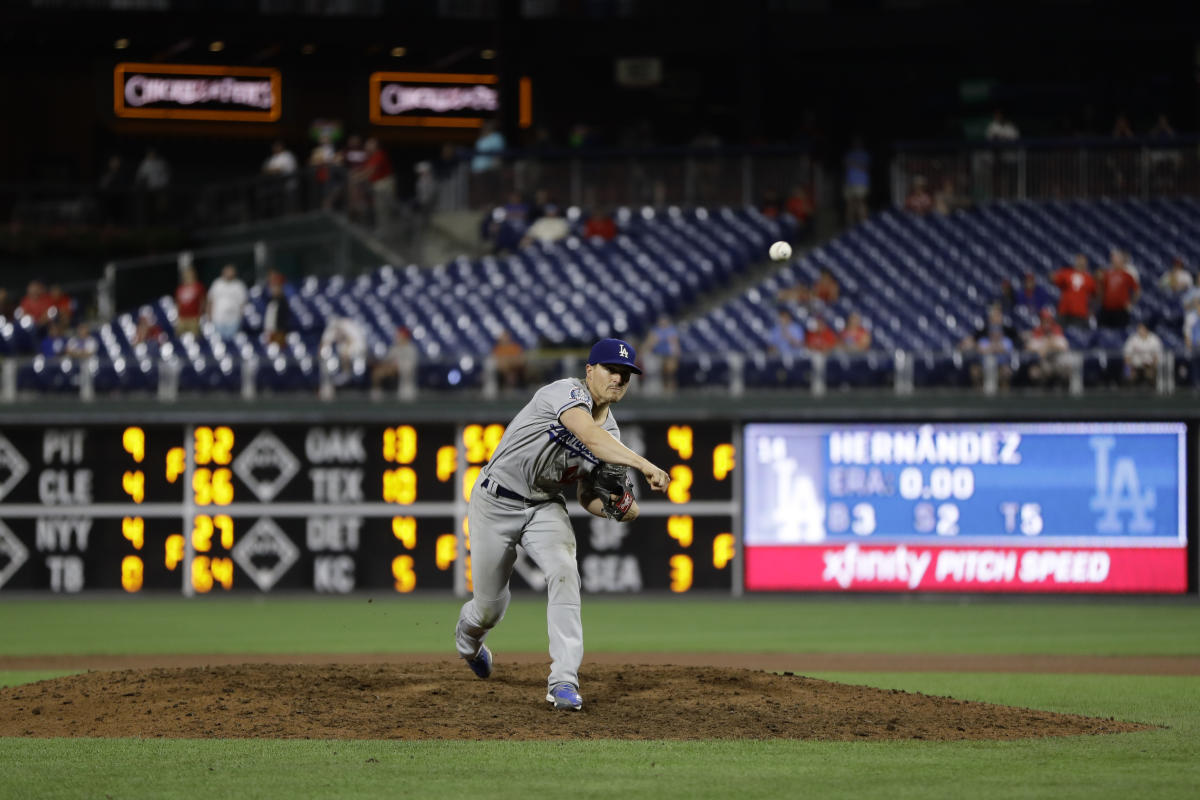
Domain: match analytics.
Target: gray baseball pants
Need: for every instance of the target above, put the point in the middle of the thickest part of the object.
(497, 525)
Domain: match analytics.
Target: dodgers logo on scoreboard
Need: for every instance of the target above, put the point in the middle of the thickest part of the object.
(13, 467)
(266, 466)
(265, 553)
(1119, 491)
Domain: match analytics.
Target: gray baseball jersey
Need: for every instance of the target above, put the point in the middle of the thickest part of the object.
(538, 458)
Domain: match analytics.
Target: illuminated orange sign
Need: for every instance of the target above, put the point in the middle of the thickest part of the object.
(189, 91)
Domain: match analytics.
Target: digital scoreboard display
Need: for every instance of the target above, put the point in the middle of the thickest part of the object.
(212, 507)
(1049, 507)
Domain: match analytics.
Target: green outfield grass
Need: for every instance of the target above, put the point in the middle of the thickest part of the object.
(1158, 763)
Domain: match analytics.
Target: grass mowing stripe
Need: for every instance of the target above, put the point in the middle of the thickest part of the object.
(361, 623)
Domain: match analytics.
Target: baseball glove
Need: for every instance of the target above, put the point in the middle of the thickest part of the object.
(609, 480)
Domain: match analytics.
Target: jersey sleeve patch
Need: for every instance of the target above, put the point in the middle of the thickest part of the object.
(577, 396)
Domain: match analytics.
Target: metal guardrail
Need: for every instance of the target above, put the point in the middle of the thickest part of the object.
(481, 376)
(1049, 169)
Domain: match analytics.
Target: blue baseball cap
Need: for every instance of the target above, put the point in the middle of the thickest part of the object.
(614, 351)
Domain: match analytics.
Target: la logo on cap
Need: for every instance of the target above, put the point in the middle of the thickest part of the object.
(623, 352)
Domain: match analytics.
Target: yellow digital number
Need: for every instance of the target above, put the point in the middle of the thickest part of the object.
(202, 579)
(134, 484)
(402, 571)
(400, 444)
(131, 574)
(724, 460)
(469, 478)
(222, 447)
(202, 445)
(400, 486)
(481, 442)
(222, 571)
(175, 464)
(679, 437)
(492, 435)
(405, 529)
(134, 442)
(134, 529)
(224, 524)
(723, 551)
(446, 550)
(211, 487)
(447, 462)
(202, 531)
(680, 488)
(680, 528)
(174, 551)
(681, 573)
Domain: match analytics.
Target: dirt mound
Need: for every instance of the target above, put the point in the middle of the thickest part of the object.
(444, 701)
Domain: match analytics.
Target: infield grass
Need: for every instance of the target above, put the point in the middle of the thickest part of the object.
(1158, 763)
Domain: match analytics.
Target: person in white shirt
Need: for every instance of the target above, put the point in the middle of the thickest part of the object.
(1191, 326)
(548, 228)
(226, 299)
(1176, 280)
(345, 340)
(1000, 129)
(1143, 352)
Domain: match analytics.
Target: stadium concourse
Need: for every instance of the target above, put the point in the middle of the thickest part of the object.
(921, 283)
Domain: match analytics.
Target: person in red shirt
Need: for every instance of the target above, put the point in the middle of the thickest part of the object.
(189, 302)
(37, 304)
(1048, 343)
(820, 337)
(1119, 289)
(600, 225)
(919, 200)
(1077, 287)
(855, 337)
(826, 288)
(800, 206)
(377, 170)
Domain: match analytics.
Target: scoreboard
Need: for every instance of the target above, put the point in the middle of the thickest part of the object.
(998, 507)
(210, 507)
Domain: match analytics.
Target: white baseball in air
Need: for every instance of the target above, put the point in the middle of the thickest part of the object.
(780, 251)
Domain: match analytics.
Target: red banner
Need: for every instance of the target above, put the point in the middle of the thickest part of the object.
(904, 568)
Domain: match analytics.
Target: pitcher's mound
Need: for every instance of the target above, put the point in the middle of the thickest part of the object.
(445, 701)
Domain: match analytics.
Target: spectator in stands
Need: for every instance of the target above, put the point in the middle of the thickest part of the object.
(7, 306)
(857, 185)
(1008, 296)
(1033, 296)
(771, 205)
(946, 199)
(490, 142)
(1191, 326)
(999, 345)
(1121, 128)
(425, 189)
(1162, 129)
(377, 170)
(511, 362)
(826, 289)
(1176, 280)
(787, 337)
(856, 337)
(148, 330)
(81, 344)
(800, 293)
(1076, 287)
(152, 177)
(38, 306)
(226, 300)
(1001, 129)
(189, 302)
(53, 341)
(352, 159)
(549, 228)
(344, 342)
(504, 227)
(995, 319)
(281, 192)
(1188, 298)
(1047, 342)
(325, 171)
(398, 365)
(277, 315)
(820, 338)
(919, 200)
(1143, 352)
(61, 304)
(799, 206)
(1119, 290)
(600, 225)
(662, 345)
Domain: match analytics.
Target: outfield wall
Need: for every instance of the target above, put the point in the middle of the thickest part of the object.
(848, 493)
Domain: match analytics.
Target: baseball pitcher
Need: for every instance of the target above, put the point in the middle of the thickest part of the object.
(564, 436)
